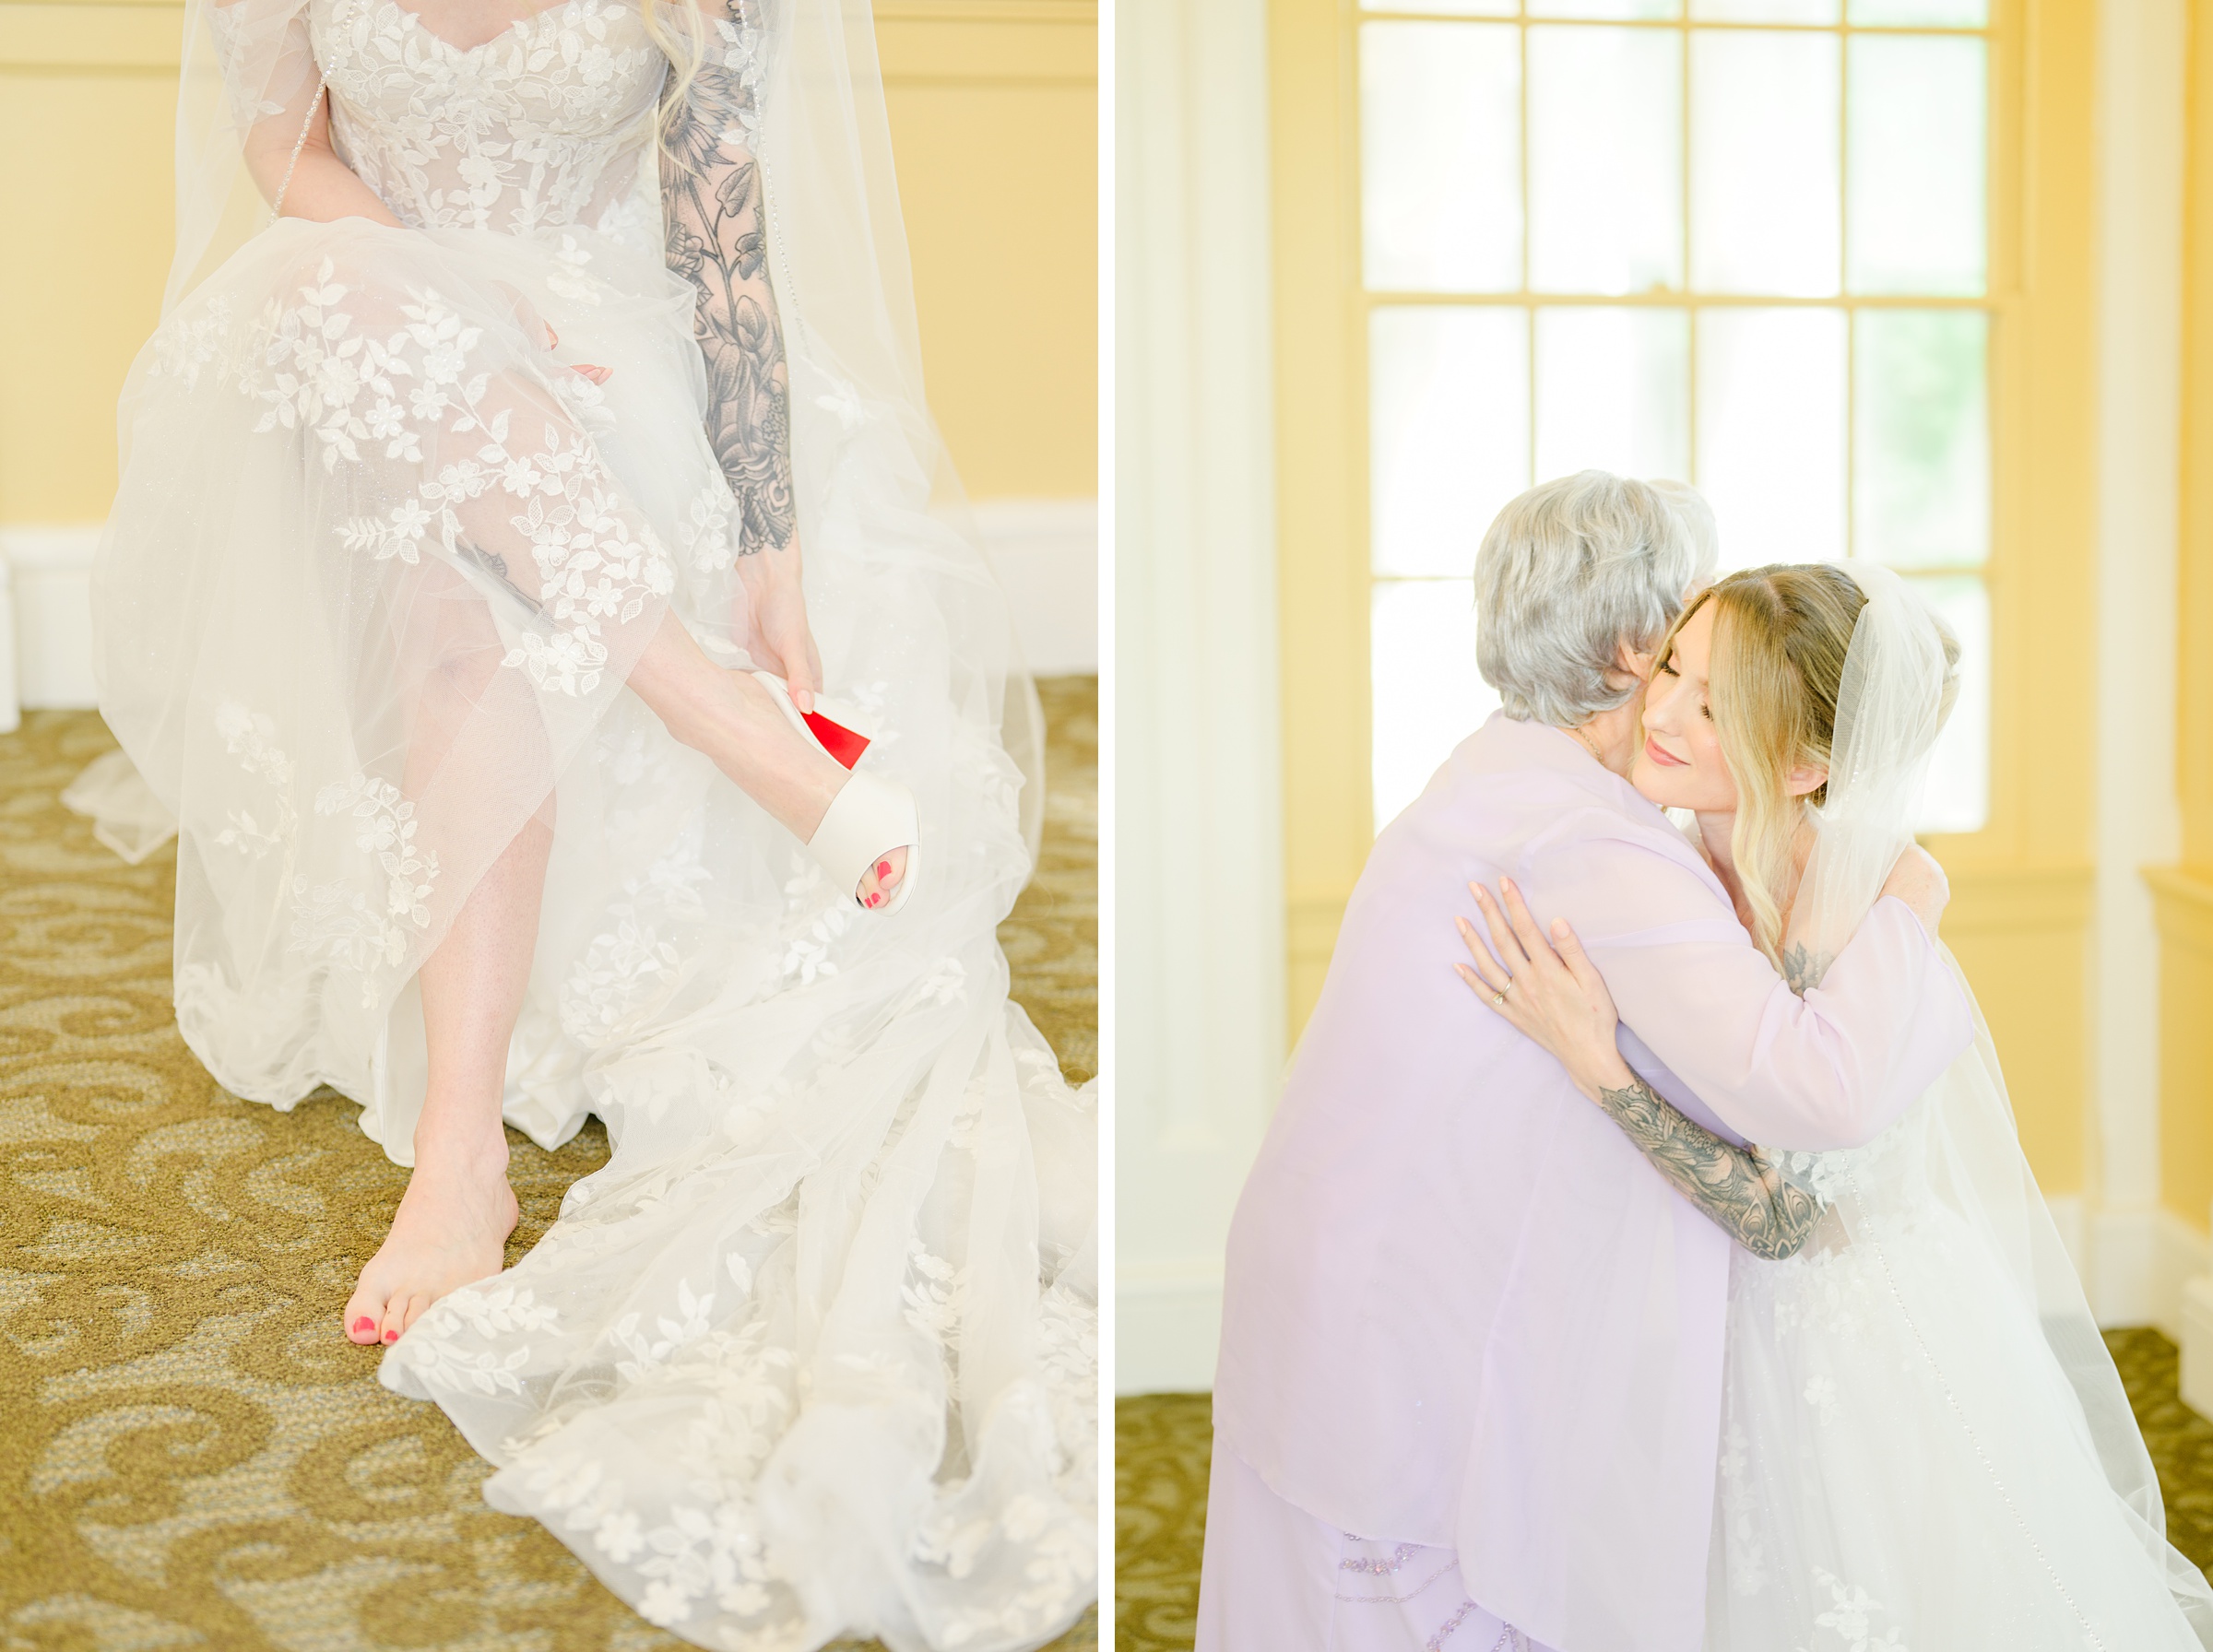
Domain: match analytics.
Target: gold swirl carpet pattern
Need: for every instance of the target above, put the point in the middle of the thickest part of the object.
(1161, 1443)
(191, 1456)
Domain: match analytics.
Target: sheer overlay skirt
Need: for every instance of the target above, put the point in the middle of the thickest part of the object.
(815, 1354)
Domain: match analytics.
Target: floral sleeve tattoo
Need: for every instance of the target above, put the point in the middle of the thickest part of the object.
(1738, 1187)
(717, 220)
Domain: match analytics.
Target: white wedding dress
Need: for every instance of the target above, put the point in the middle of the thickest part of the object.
(816, 1353)
(1925, 1446)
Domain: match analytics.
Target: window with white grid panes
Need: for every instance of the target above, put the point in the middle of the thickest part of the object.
(1741, 243)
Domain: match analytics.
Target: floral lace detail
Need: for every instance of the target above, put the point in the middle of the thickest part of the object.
(1068, 1354)
(251, 736)
(425, 123)
(968, 1124)
(630, 959)
(1059, 1564)
(432, 1346)
(709, 530)
(697, 1555)
(323, 375)
(823, 917)
(617, 969)
(340, 922)
(645, 1353)
(1824, 1175)
(1745, 1553)
(936, 1296)
(1851, 1617)
(191, 340)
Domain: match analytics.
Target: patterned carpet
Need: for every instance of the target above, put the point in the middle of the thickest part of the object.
(190, 1456)
(1161, 1442)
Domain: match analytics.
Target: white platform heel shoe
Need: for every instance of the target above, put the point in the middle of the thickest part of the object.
(870, 816)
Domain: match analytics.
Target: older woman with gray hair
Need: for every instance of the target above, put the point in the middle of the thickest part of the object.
(1469, 1385)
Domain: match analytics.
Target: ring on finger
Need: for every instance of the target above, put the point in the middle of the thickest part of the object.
(1499, 998)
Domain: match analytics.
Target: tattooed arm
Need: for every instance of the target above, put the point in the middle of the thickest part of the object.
(1558, 999)
(718, 218)
(1738, 1187)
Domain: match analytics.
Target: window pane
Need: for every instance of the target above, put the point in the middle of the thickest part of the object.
(1640, 9)
(1440, 150)
(1445, 8)
(1427, 692)
(1921, 436)
(1771, 432)
(1928, 14)
(1447, 418)
(1763, 11)
(1612, 391)
(1915, 167)
(1763, 161)
(1957, 798)
(1605, 145)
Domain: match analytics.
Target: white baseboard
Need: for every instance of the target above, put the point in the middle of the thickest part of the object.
(1045, 552)
(50, 580)
(2198, 1345)
(1168, 1327)
(2137, 1264)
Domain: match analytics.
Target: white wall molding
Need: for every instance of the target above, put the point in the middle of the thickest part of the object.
(1199, 886)
(2198, 1344)
(1045, 552)
(49, 575)
(2142, 56)
(2138, 1267)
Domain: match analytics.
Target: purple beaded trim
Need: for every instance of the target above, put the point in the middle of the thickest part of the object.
(1377, 1568)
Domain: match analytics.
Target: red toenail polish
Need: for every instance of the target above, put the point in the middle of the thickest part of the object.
(365, 1324)
(872, 899)
(883, 869)
(391, 1335)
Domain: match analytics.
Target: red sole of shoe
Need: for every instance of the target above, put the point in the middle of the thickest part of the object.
(838, 740)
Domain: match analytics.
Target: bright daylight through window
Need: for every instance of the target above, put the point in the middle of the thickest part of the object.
(1744, 246)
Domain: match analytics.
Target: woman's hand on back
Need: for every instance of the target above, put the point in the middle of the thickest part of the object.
(1920, 882)
(1548, 990)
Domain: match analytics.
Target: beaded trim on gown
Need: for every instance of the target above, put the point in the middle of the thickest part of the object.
(815, 1352)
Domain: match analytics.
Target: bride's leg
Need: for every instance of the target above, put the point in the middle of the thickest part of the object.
(453, 1220)
(723, 714)
(731, 719)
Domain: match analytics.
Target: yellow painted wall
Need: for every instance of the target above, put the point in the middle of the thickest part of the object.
(993, 109)
(994, 113)
(2020, 912)
(2183, 895)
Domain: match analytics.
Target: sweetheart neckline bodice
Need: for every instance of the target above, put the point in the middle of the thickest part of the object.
(543, 127)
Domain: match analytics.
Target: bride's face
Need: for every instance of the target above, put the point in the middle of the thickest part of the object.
(1679, 765)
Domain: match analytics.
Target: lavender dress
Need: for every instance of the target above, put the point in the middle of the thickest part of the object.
(1462, 1313)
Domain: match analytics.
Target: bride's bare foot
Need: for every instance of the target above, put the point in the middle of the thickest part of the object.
(450, 1231)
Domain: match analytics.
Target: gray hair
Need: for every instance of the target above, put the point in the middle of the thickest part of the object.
(1570, 573)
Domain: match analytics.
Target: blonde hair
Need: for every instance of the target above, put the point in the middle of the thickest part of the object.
(1781, 635)
(682, 39)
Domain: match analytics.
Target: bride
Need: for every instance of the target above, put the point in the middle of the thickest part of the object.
(452, 608)
(1924, 1444)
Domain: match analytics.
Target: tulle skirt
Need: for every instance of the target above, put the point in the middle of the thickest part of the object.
(815, 1354)
(1904, 1465)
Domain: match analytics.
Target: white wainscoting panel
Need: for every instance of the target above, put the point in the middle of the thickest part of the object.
(1045, 552)
(50, 580)
(1199, 1000)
